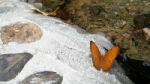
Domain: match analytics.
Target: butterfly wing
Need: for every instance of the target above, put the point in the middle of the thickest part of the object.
(96, 56)
(109, 58)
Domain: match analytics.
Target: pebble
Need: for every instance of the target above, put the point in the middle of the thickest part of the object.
(46, 77)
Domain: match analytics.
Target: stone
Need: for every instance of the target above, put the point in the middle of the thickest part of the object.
(147, 33)
(63, 48)
(20, 33)
(46, 77)
(12, 64)
(141, 21)
(51, 4)
(96, 10)
(28, 1)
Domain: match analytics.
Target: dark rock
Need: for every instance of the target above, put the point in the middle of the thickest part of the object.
(28, 1)
(12, 64)
(141, 21)
(96, 10)
(47, 77)
(64, 14)
(137, 70)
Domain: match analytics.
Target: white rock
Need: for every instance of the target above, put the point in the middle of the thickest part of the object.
(147, 32)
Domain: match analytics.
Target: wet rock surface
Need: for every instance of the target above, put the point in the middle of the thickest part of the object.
(20, 33)
(12, 64)
(46, 77)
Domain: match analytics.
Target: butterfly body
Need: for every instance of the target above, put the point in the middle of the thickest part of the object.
(103, 62)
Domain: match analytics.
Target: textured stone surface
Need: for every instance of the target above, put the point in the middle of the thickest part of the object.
(20, 33)
(45, 77)
(5, 9)
(63, 49)
(12, 64)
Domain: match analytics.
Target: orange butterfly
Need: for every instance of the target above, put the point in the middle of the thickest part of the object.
(103, 62)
